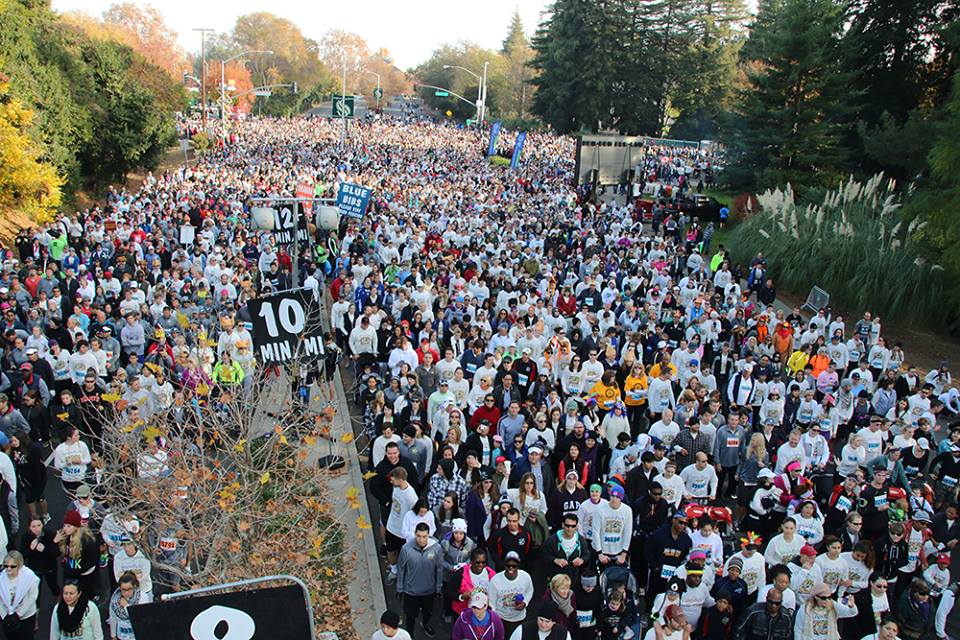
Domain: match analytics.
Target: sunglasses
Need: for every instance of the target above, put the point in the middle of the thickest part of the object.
(569, 526)
(11, 566)
(777, 603)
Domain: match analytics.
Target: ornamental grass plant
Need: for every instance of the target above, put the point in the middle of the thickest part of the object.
(849, 241)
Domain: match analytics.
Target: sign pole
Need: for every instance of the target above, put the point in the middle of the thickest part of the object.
(296, 245)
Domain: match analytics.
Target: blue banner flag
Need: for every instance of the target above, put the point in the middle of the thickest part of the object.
(352, 199)
(494, 132)
(517, 149)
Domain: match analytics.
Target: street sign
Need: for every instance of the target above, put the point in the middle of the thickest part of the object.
(441, 94)
(342, 107)
(263, 93)
(378, 93)
(277, 613)
(352, 199)
(287, 327)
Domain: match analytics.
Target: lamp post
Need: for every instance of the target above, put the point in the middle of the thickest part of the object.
(223, 88)
(481, 88)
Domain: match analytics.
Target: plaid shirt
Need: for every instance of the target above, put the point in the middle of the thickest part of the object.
(686, 440)
(440, 486)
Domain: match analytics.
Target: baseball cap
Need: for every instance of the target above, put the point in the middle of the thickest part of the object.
(83, 491)
(479, 598)
(512, 555)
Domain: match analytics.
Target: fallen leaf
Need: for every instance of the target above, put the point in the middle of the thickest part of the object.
(265, 478)
(347, 438)
(369, 474)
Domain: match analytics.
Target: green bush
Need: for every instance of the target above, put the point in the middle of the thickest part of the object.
(499, 161)
(849, 241)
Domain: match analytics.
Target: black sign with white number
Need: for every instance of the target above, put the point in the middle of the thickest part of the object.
(284, 221)
(279, 613)
(287, 327)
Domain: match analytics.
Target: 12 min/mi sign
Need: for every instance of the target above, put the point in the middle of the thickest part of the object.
(287, 327)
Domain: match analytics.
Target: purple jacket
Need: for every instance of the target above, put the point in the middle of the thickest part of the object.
(462, 629)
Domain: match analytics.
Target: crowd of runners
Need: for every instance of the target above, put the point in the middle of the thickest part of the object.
(584, 425)
(580, 424)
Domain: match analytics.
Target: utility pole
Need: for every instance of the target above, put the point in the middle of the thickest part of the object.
(343, 105)
(203, 73)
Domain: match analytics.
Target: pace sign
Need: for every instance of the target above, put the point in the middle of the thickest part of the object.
(285, 220)
(278, 613)
(287, 327)
(352, 199)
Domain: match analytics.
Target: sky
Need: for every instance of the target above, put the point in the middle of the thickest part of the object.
(410, 29)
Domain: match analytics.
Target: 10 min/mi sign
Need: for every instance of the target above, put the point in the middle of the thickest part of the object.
(287, 327)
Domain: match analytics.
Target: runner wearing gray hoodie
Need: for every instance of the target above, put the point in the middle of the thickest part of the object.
(419, 578)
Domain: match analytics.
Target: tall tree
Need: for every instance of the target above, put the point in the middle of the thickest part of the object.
(599, 67)
(897, 46)
(518, 54)
(294, 59)
(705, 86)
(144, 30)
(934, 208)
(562, 82)
(789, 120)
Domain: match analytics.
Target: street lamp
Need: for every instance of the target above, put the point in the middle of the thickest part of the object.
(481, 89)
(223, 88)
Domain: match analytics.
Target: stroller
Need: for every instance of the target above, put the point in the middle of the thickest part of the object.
(617, 578)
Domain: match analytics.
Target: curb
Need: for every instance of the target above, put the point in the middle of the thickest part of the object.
(367, 603)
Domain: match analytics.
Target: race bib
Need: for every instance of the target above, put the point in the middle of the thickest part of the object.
(844, 504)
(168, 544)
(949, 481)
(733, 443)
(638, 394)
(879, 501)
(585, 618)
(667, 572)
(73, 471)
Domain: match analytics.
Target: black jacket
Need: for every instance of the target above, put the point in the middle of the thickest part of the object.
(552, 550)
(757, 624)
(380, 484)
